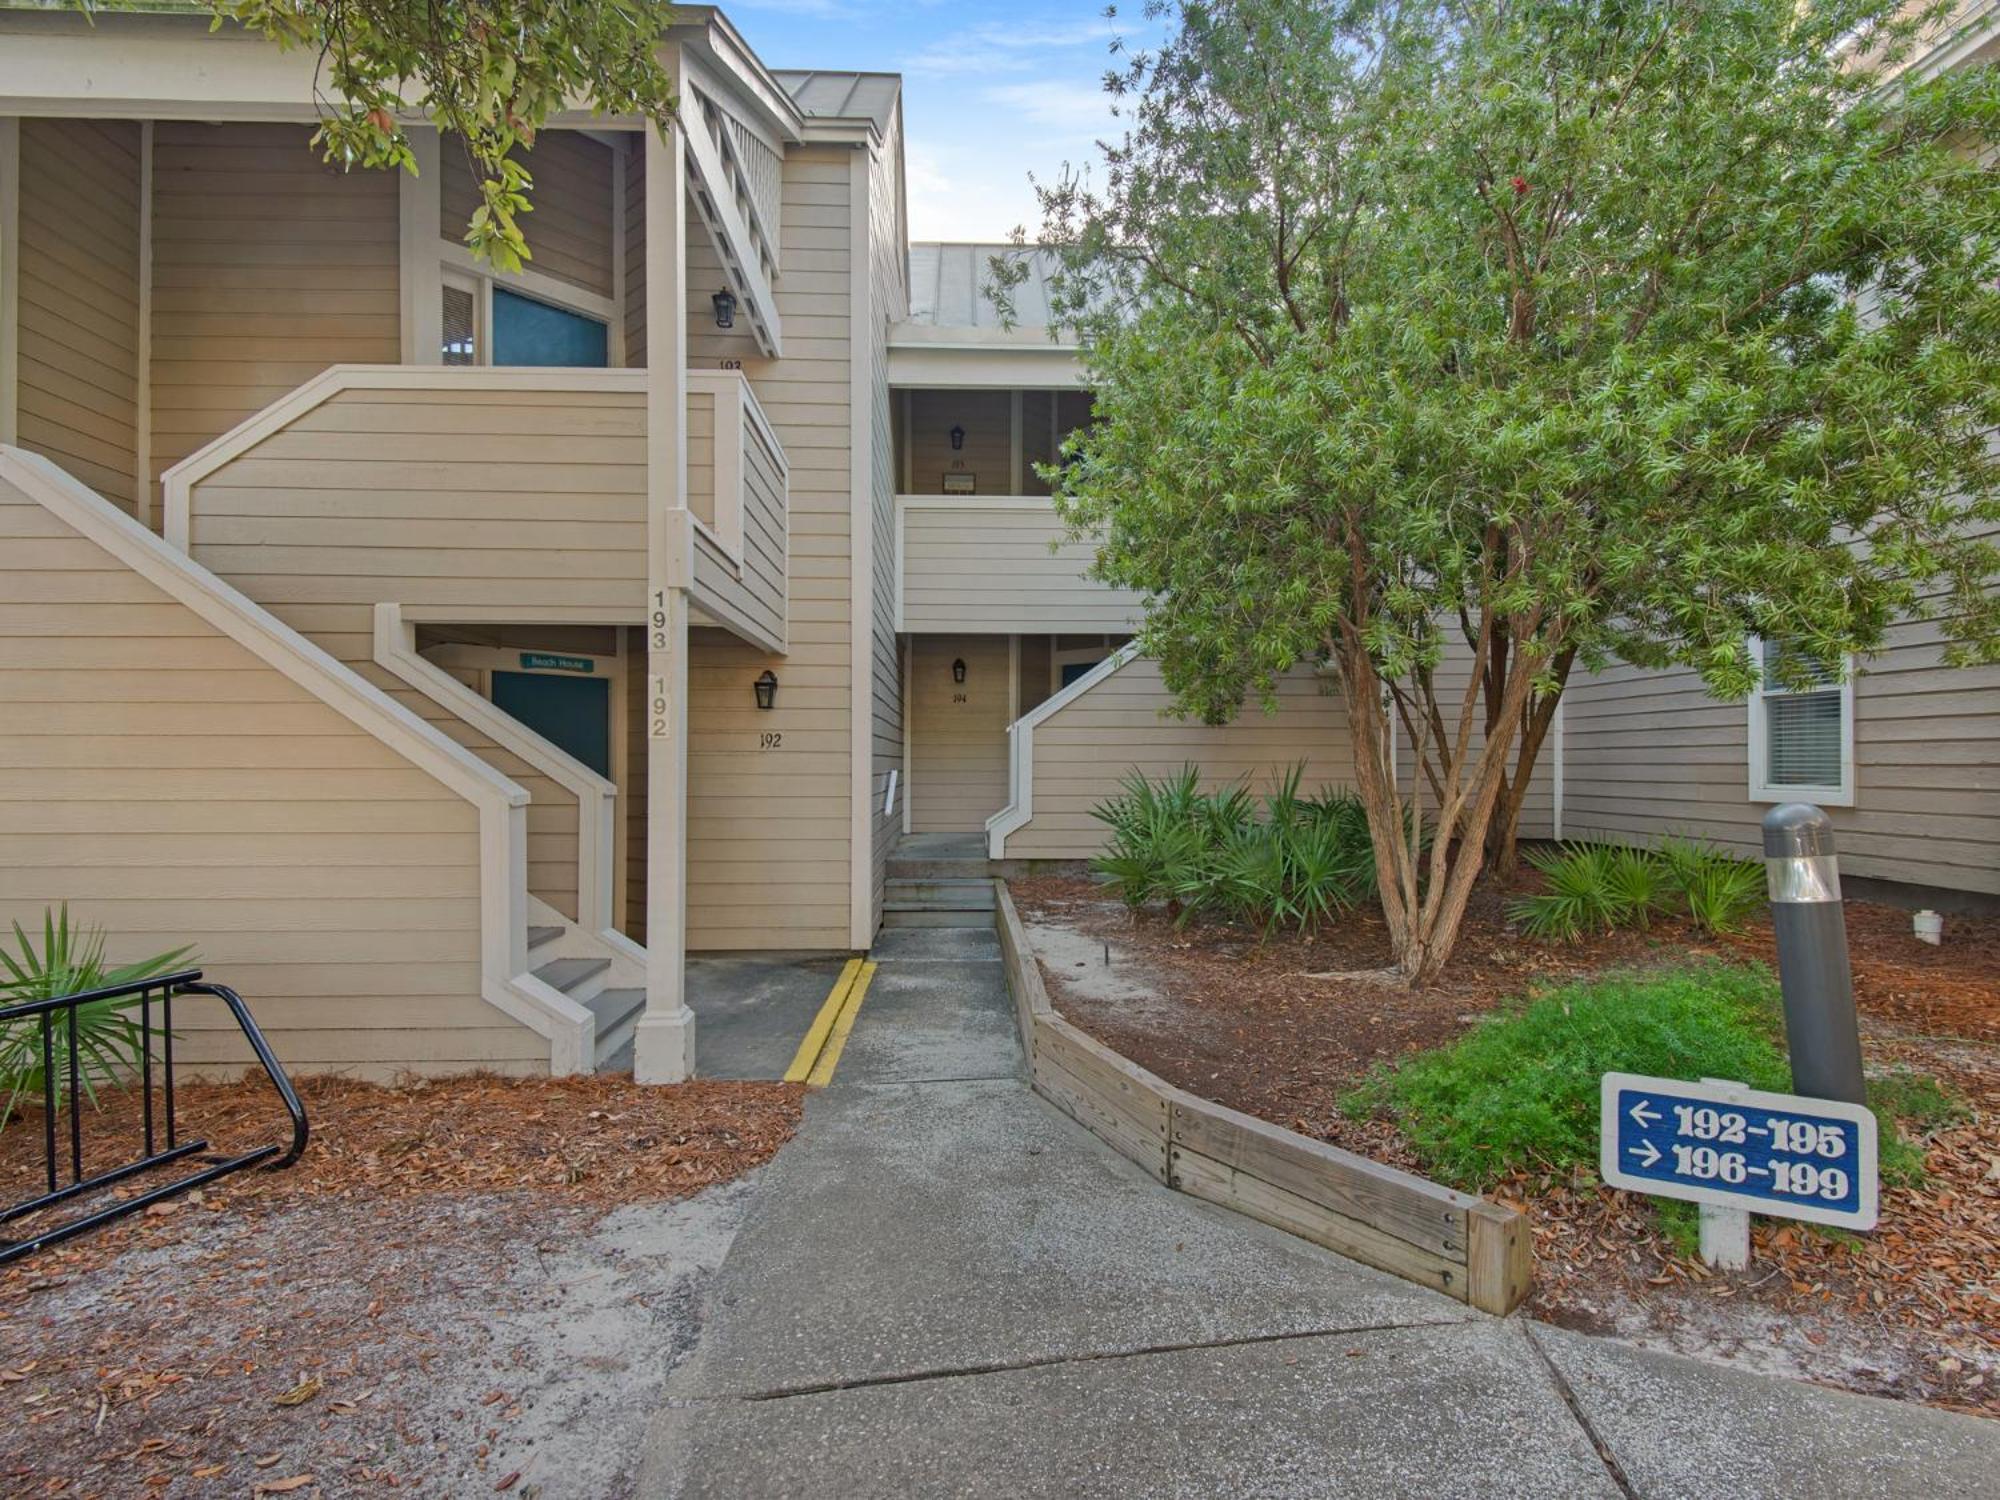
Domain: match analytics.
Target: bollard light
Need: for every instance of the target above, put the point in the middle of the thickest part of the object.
(1802, 878)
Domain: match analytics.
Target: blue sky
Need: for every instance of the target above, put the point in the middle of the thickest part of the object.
(990, 91)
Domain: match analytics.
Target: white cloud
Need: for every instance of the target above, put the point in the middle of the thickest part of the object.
(992, 48)
(1056, 104)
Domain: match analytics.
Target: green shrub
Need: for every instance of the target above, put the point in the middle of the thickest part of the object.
(1521, 1091)
(1581, 898)
(1291, 861)
(1594, 888)
(1719, 891)
(109, 1037)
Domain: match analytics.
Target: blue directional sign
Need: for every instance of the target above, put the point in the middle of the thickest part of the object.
(1737, 1147)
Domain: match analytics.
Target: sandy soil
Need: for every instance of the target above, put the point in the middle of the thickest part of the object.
(471, 1287)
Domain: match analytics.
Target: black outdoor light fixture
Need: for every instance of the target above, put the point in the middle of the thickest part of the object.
(766, 688)
(958, 669)
(957, 439)
(725, 308)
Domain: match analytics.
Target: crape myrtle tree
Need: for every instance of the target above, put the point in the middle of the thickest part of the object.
(1459, 346)
(489, 72)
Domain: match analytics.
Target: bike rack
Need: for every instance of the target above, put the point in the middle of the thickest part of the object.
(162, 1142)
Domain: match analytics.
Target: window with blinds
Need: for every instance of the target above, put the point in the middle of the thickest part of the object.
(461, 325)
(1801, 730)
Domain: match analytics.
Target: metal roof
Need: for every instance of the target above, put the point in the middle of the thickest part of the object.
(950, 281)
(843, 96)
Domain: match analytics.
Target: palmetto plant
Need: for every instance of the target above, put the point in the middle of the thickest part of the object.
(1582, 895)
(1596, 887)
(1282, 860)
(110, 1039)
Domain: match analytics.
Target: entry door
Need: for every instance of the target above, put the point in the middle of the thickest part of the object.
(572, 713)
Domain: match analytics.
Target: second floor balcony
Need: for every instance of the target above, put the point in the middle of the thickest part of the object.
(979, 546)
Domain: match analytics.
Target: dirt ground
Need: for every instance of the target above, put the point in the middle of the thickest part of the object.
(1282, 1029)
(464, 1287)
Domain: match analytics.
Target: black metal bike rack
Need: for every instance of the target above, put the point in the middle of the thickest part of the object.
(162, 1143)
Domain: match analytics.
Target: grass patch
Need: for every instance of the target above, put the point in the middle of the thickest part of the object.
(1520, 1092)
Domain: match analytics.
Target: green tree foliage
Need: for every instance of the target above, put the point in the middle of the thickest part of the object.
(1544, 332)
(489, 72)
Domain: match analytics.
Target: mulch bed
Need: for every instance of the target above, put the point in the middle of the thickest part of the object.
(1282, 1029)
(222, 1325)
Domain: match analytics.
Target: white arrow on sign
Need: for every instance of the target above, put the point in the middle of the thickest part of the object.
(1651, 1153)
(1643, 1115)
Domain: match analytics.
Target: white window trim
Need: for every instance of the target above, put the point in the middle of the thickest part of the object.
(1761, 789)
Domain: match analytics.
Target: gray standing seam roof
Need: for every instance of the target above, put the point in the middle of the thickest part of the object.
(949, 283)
(822, 95)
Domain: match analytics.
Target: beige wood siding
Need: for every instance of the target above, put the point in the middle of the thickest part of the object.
(958, 750)
(768, 830)
(976, 566)
(888, 263)
(635, 254)
(750, 595)
(79, 300)
(1087, 746)
(987, 418)
(569, 232)
(268, 266)
(1650, 753)
(173, 788)
(1036, 671)
(497, 503)
(701, 456)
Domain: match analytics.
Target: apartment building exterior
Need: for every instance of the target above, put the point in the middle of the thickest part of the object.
(449, 654)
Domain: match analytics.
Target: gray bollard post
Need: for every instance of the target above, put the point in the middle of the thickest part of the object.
(1803, 879)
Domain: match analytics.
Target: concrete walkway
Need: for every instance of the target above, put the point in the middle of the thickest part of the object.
(947, 1288)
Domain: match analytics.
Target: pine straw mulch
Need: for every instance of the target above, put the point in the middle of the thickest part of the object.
(216, 1342)
(1282, 1029)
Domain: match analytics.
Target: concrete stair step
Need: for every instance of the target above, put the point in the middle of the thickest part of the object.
(579, 978)
(617, 1012)
(930, 917)
(902, 867)
(540, 935)
(969, 897)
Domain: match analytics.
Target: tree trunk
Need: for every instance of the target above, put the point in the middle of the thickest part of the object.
(1424, 907)
(1503, 835)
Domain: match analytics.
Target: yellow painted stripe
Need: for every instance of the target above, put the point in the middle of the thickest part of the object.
(822, 1073)
(822, 1026)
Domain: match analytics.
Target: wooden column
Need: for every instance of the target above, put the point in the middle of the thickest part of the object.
(420, 282)
(10, 278)
(664, 1047)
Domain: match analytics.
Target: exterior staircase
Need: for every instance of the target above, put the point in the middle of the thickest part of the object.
(608, 984)
(940, 880)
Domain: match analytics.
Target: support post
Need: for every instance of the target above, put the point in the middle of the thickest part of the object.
(420, 216)
(10, 279)
(663, 1048)
(1725, 1237)
(1803, 880)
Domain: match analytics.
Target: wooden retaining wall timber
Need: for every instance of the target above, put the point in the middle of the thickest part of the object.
(1398, 1222)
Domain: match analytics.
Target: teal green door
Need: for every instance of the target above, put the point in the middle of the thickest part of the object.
(572, 713)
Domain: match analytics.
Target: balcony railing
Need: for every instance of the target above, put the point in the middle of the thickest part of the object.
(999, 564)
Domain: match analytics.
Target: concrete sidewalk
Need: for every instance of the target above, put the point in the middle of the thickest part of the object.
(947, 1288)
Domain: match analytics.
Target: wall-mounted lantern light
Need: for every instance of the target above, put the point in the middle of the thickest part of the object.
(957, 439)
(725, 308)
(958, 670)
(766, 688)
